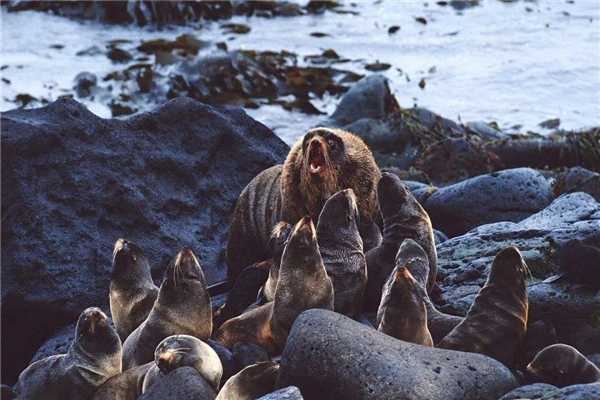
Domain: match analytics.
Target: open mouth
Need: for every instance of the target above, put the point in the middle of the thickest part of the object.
(317, 160)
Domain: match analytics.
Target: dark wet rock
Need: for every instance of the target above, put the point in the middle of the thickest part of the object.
(413, 185)
(375, 365)
(572, 309)
(246, 354)
(578, 179)
(377, 66)
(509, 195)
(226, 357)
(58, 343)
(550, 123)
(72, 183)
(463, 4)
(432, 121)
(288, 393)
(83, 83)
(530, 392)
(118, 55)
(90, 51)
(188, 43)
(368, 98)
(454, 160)
(485, 131)
(185, 383)
(238, 29)
(581, 263)
(569, 149)
(540, 334)
(393, 29)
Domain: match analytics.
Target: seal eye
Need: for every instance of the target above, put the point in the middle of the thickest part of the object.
(331, 144)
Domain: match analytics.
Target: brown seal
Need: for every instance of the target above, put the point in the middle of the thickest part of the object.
(93, 357)
(185, 351)
(279, 237)
(303, 284)
(183, 307)
(319, 165)
(497, 320)
(251, 383)
(132, 291)
(402, 311)
(341, 249)
(124, 386)
(403, 218)
(412, 255)
(562, 365)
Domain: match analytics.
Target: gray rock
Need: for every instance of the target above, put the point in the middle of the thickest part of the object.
(370, 97)
(328, 355)
(83, 83)
(595, 358)
(59, 343)
(535, 391)
(578, 179)
(590, 391)
(423, 193)
(246, 354)
(509, 195)
(439, 236)
(73, 183)
(288, 393)
(485, 131)
(184, 383)
(463, 265)
(414, 185)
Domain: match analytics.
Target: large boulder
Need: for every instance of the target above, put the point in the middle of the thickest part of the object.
(463, 265)
(185, 383)
(328, 355)
(530, 392)
(509, 195)
(73, 183)
(578, 179)
(288, 393)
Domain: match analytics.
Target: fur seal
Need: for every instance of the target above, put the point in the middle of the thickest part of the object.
(562, 365)
(402, 312)
(132, 291)
(183, 307)
(341, 249)
(251, 383)
(185, 351)
(303, 284)
(412, 255)
(320, 164)
(244, 292)
(93, 357)
(279, 238)
(403, 217)
(497, 320)
(124, 386)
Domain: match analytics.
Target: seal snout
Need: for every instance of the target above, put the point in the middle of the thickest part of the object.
(163, 361)
(316, 158)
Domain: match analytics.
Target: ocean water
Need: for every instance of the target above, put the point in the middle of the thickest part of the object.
(517, 64)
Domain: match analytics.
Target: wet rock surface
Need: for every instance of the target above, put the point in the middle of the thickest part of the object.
(185, 383)
(571, 308)
(535, 391)
(73, 183)
(288, 393)
(509, 195)
(378, 366)
(578, 179)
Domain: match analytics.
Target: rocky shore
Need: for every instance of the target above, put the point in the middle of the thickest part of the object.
(73, 183)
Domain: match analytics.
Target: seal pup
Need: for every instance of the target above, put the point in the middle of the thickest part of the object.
(320, 164)
(124, 386)
(303, 281)
(412, 255)
(341, 249)
(93, 357)
(403, 218)
(185, 351)
(251, 383)
(132, 291)
(243, 293)
(562, 365)
(303, 284)
(182, 307)
(496, 323)
(402, 312)
(279, 237)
